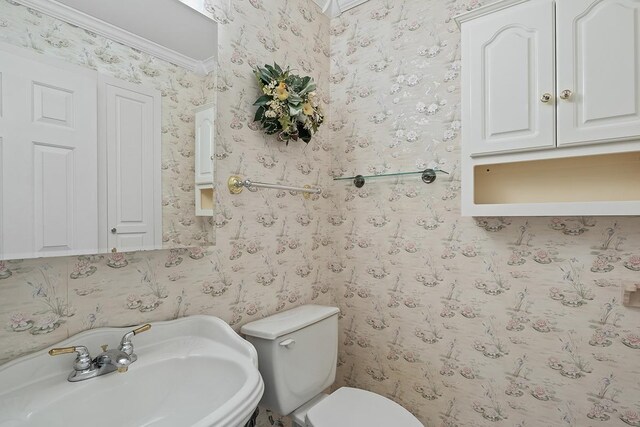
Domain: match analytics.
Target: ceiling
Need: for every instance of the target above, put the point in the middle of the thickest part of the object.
(334, 8)
(169, 23)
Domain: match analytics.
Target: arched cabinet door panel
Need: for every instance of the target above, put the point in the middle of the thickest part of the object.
(598, 70)
(509, 67)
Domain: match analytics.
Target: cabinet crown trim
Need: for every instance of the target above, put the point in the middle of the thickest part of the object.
(485, 10)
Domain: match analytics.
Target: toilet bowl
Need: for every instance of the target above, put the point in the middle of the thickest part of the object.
(297, 355)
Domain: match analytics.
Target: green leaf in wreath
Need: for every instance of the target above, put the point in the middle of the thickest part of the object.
(304, 133)
(271, 126)
(266, 77)
(259, 114)
(294, 98)
(295, 110)
(309, 87)
(263, 100)
(273, 73)
(285, 122)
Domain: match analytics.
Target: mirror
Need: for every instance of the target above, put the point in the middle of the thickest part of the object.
(106, 127)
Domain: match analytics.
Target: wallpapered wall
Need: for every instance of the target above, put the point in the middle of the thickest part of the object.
(272, 247)
(507, 322)
(182, 91)
(478, 323)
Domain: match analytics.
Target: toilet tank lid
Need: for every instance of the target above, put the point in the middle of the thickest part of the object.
(284, 323)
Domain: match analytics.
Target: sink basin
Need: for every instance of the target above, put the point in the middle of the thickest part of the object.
(195, 371)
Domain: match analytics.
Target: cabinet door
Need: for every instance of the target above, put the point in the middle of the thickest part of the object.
(508, 67)
(204, 146)
(130, 136)
(48, 150)
(598, 61)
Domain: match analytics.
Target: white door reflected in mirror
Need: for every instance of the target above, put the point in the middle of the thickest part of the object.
(81, 157)
(98, 130)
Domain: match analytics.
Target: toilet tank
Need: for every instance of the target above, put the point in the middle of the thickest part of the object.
(297, 354)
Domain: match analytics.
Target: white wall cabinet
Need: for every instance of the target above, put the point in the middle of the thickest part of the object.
(205, 149)
(551, 90)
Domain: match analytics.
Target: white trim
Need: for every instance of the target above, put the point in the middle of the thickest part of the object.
(157, 177)
(104, 29)
(629, 208)
(485, 10)
(335, 8)
(103, 223)
(345, 5)
(2, 168)
(207, 66)
(103, 217)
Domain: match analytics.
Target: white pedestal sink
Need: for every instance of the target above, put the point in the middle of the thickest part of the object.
(195, 371)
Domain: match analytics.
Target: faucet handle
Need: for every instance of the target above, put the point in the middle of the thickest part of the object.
(83, 360)
(141, 329)
(126, 345)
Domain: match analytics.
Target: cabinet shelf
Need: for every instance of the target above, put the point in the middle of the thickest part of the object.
(601, 178)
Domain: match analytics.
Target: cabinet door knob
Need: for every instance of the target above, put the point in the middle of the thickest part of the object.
(566, 94)
(114, 230)
(546, 98)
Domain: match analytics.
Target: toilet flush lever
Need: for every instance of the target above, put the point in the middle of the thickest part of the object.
(288, 343)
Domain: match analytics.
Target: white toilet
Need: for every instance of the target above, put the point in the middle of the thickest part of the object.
(297, 355)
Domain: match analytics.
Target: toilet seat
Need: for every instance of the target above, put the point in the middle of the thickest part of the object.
(352, 407)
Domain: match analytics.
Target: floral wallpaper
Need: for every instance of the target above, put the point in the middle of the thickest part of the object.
(271, 247)
(465, 322)
(485, 322)
(182, 91)
(276, 245)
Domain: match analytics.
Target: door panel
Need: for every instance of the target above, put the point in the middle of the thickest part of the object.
(52, 105)
(204, 146)
(49, 161)
(508, 66)
(2, 169)
(131, 120)
(598, 61)
(54, 198)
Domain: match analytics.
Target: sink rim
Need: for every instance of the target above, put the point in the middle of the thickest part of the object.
(239, 351)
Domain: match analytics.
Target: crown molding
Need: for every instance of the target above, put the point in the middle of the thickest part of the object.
(485, 10)
(335, 8)
(349, 4)
(207, 66)
(117, 34)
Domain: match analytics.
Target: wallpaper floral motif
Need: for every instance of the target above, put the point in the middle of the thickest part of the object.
(271, 247)
(492, 321)
(182, 91)
(485, 322)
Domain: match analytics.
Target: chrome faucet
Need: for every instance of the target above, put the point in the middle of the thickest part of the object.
(106, 362)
